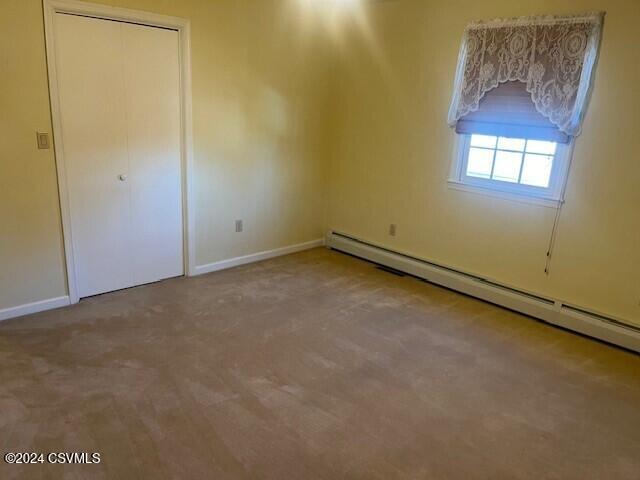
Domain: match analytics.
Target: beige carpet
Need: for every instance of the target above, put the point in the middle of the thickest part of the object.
(313, 366)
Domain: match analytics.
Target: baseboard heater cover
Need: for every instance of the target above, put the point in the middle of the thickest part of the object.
(550, 310)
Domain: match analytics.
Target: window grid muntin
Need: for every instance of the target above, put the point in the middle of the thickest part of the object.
(522, 153)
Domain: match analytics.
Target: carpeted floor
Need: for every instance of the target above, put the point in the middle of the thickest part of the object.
(313, 366)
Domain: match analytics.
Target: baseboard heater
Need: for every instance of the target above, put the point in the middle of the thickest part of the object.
(554, 311)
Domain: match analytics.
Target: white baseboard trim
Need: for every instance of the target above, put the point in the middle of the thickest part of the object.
(256, 257)
(557, 312)
(34, 307)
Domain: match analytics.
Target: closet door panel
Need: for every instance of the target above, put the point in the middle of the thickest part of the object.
(152, 82)
(94, 140)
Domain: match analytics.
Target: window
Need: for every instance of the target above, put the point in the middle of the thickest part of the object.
(517, 108)
(533, 170)
(507, 146)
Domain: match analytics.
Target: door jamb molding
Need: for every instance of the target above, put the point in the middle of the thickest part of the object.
(183, 27)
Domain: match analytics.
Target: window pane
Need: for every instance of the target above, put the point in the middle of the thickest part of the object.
(505, 143)
(507, 167)
(479, 163)
(485, 141)
(536, 170)
(538, 146)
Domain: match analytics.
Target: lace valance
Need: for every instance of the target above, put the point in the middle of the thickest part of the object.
(554, 56)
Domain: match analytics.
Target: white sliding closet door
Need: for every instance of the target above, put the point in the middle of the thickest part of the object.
(119, 98)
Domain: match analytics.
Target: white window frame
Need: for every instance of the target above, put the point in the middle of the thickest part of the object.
(551, 196)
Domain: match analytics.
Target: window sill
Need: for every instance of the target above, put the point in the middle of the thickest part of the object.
(512, 196)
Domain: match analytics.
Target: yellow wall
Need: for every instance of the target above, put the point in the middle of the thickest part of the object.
(31, 255)
(392, 150)
(259, 96)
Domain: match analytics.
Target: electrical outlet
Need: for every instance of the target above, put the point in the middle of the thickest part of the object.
(392, 229)
(239, 226)
(43, 140)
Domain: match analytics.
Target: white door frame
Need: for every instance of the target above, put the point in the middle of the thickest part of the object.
(182, 26)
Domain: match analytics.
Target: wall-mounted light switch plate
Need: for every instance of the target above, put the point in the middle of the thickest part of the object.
(239, 225)
(392, 229)
(43, 140)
